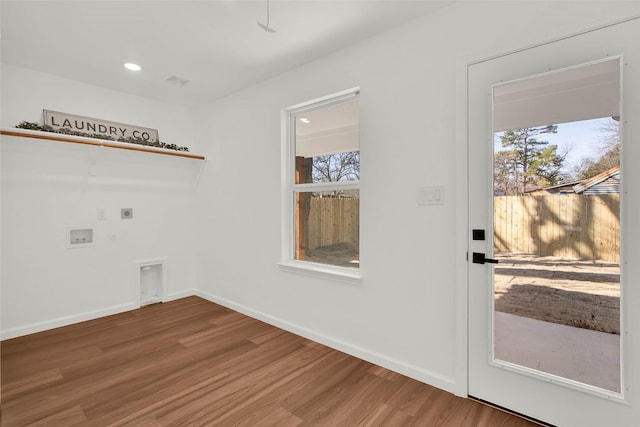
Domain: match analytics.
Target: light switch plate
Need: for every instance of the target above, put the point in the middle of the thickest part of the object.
(431, 195)
(102, 214)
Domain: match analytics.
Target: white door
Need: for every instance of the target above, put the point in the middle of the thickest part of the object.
(553, 325)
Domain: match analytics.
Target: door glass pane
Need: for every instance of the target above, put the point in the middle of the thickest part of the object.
(557, 224)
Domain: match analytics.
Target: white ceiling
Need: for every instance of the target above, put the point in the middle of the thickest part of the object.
(579, 93)
(332, 129)
(216, 44)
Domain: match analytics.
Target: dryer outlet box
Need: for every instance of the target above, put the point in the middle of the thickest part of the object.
(126, 213)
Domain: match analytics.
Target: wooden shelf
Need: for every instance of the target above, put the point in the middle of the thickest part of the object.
(25, 133)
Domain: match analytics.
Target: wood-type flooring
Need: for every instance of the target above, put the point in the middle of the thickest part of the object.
(191, 362)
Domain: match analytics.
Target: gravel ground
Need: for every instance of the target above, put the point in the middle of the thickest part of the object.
(584, 294)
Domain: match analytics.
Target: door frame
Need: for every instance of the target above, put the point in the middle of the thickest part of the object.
(462, 263)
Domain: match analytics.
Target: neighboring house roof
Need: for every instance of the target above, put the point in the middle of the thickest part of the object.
(607, 182)
(566, 187)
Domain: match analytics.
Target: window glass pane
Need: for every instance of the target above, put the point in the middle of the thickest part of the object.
(328, 227)
(327, 144)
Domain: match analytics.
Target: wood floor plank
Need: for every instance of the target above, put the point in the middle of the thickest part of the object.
(193, 362)
(385, 415)
(40, 360)
(285, 377)
(147, 409)
(30, 383)
(73, 416)
(412, 396)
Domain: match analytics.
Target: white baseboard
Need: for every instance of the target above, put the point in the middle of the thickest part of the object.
(81, 317)
(64, 321)
(180, 294)
(417, 373)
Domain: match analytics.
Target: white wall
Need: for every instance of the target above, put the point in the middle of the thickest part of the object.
(409, 312)
(24, 93)
(49, 186)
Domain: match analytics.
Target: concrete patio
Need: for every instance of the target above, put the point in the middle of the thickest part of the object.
(583, 355)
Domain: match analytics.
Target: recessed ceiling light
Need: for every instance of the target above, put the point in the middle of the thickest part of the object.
(305, 120)
(133, 67)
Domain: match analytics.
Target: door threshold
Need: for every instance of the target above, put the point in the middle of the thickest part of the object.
(509, 411)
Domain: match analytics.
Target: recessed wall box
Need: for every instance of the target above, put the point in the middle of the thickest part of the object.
(151, 275)
(79, 237)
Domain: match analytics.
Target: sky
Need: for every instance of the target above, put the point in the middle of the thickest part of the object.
(582, 139)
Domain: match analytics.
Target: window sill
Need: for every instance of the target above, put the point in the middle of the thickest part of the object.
(351, 276)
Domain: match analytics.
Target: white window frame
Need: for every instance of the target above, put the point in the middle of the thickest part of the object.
(289, 188)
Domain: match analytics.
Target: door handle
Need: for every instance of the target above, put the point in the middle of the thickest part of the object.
(479, 258)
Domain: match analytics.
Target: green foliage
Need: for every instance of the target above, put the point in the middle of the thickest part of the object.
(546, 166)
(527, 160)
(130, 140)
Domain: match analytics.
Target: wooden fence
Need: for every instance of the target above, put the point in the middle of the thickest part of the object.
(574, 226)
(333, 221)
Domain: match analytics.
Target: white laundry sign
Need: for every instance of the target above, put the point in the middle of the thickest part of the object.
(88, 125)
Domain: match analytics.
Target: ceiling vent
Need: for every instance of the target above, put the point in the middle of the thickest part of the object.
(178, 80)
